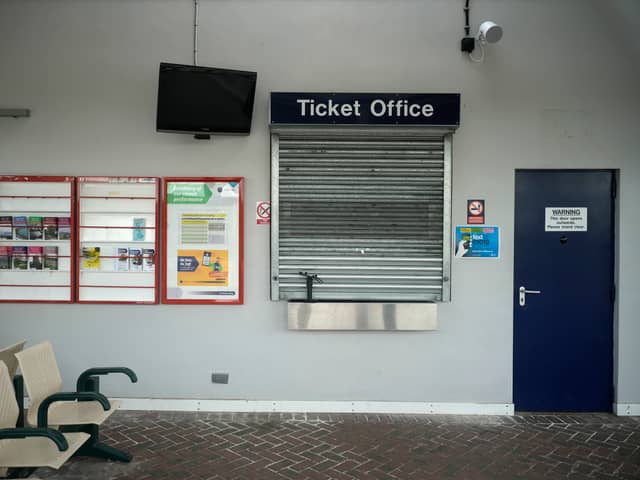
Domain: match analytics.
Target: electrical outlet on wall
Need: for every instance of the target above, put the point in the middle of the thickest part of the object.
(219, 378)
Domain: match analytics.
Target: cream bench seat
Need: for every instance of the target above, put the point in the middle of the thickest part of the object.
(30, 447)
(83, 410)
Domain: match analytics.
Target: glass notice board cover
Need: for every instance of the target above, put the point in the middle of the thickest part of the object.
(117, 247)
(36, 238)
(203, 240)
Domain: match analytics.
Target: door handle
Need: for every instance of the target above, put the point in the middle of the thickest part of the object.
(522, 291)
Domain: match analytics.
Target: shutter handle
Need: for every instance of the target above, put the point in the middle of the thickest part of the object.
(310, 277)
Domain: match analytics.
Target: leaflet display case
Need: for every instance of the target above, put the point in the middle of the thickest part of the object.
(117, 240)
(36, 238)
(202, 256)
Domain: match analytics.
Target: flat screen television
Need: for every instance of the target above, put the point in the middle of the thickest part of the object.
(204, 100)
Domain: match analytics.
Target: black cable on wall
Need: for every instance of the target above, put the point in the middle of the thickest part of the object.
(466, 18)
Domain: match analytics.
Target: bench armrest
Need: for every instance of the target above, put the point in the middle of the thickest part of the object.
(81, 385)
(43, 408)
(54, 435)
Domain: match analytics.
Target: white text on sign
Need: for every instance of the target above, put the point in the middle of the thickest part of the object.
(378, 108)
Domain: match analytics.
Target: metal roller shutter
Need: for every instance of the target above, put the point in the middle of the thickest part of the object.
(366, 211)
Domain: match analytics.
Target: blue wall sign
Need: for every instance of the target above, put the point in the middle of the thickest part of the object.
(477, 241)
(436, 109)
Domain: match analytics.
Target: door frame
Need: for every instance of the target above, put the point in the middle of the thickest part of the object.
(616, 248)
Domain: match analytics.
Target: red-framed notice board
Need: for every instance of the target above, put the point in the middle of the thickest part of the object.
(36, 238)
(202, 248)
(117, 240)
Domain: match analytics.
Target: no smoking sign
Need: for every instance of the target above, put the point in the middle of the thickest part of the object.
(263, 213)
(475, 211)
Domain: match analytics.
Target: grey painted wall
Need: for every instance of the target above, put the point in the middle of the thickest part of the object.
(560, 90)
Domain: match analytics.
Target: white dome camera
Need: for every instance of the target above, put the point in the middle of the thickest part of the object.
(489, 32)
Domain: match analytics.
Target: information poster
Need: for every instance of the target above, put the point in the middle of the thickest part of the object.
(477, 242)
(203, 240)
(203, 267)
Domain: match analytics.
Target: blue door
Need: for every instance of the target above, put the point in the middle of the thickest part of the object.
(563, 290)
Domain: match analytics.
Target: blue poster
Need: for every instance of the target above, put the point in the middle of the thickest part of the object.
(477, 242)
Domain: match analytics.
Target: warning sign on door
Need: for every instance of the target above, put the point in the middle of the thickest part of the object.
(565, 219)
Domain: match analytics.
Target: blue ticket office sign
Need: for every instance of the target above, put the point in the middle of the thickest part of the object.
(477, 241)
(314, 108)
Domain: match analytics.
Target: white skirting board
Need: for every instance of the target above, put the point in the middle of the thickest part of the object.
(265, 406)
(627, 409)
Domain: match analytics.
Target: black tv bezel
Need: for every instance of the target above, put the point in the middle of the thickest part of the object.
(213, 70)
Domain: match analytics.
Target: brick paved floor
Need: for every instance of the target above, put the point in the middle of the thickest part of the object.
(207, 446)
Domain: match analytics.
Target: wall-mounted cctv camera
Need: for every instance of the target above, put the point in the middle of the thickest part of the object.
(489, 32)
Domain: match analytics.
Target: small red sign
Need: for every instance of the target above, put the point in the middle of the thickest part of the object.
(475, 212)
(263, 213)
